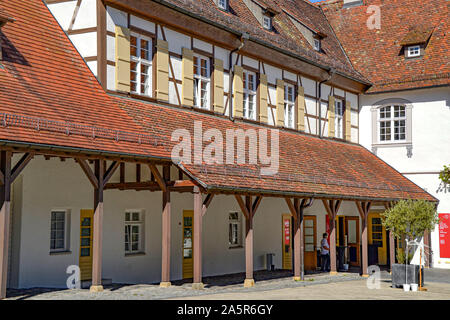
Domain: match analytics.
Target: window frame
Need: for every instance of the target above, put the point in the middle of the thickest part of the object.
(269, 25)
(413, 48)
(391, 120)
(238, 223)
(249, 92)
(140, 223)
(199, 79)
(66, 231)
(317, 44)
(139, 62)
(339, 124)
(223, 7)
(289, 104)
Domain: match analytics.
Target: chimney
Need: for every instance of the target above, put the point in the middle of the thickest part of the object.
(352, 3)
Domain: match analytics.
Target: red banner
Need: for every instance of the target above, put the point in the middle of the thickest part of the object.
(444, 235)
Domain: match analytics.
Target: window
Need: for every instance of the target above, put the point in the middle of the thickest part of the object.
(317, 44)
(249, 82)
(223, 4)
(267, 22)
(289, 105)
(201, 82)
(59, 231)
(414, 51)
(339, 119)
(141, 65)
(392, 123)
(234, 230)
(134, 231)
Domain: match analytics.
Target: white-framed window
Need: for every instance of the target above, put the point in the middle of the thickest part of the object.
(223, 4)
(289, 106)
(339, 118)
(413, 51)
(141, 64)
(59, 230)
(234, 230)
(267, 22)
(201, 82)
(134, 231)
(317, 44)
(249, 83)
(392, 123)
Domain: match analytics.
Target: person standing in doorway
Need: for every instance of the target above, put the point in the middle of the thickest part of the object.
(325, 253)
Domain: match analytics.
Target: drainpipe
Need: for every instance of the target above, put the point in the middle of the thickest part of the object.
(244, 36)
(330, 74)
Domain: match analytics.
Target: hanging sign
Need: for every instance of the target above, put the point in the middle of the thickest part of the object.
(287, 232)
(444, 235)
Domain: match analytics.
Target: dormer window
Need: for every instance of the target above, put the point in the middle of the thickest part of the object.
(317, 44)
(267, 22)
(413, 51)
(223, 4)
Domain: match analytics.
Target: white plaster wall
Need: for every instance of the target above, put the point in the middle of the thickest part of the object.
(66, 187)
(87, 15)
(63, 12)
(430, 142)
(86, 43)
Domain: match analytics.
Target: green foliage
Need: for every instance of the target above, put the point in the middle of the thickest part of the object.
(401, 257)
(444, 175)
(409, 219)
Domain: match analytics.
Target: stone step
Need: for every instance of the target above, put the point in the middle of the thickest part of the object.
(86, 284)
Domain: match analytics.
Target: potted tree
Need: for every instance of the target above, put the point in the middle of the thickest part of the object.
(408, 220)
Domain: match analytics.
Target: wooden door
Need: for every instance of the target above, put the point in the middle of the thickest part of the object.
(86, 229)
(287, 241)
(352, 237)
(310, 238)
(188, 249)
(377, 236)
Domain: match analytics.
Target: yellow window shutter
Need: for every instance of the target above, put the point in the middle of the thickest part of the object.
(331, 111)
(162, 70)
(348, 121)
(187, 77)
(280, 103)
(122, 59)
(263, 98)
(218, 86)
(301, 109)
(238, 91)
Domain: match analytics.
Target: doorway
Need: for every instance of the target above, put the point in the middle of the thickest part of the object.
(188, 231)
(377, 240)
(85, 259)
(287, 241)
(310, 238)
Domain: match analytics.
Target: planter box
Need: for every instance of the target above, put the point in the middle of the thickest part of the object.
(399, 275)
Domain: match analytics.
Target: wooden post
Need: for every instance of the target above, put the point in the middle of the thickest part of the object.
(198, 205)
(391, 249)
(166, 221)
(332, 208)
(5, 216)
(363, 208)
(296, 210)
(249, 281)
(248, 210)
(98, 229)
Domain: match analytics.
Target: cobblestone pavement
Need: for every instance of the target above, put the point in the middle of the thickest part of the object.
(269, 285)
(181, 289)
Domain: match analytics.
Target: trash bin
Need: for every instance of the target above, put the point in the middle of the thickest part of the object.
(269, 261)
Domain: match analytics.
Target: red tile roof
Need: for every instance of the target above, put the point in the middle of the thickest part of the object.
(378, 55)
(57, 102)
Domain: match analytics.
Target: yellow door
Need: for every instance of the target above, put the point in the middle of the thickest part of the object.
(310, 236)
(86, 224)
(188, 232)
(377, 236)
(286, 241)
